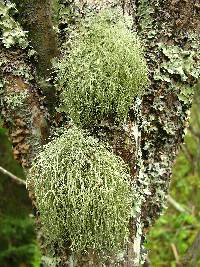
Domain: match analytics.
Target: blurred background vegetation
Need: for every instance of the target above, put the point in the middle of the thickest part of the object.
(168, 240)
(17, 238)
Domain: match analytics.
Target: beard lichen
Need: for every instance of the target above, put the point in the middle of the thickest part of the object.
(102, 71)
(83, 193)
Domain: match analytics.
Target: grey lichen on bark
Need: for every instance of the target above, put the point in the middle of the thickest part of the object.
(22, 108)
(164, 26)
(21, 105)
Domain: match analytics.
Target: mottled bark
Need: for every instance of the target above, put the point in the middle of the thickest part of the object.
(166, 114)
(22, 106)
(23, 110)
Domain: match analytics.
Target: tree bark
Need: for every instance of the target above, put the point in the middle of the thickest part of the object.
(22, 107)
(35, 16)
(157, 121)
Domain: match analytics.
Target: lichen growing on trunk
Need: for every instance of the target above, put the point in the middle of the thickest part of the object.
(102, 71)
(83, 194)
(149, 127)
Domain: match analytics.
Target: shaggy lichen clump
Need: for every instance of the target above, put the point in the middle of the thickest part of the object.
(83, 193)
(103, 71)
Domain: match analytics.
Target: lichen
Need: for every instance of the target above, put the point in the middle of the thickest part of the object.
(11, 31)
(21, 105)
(102, 72)
(83, 193)
(181, 68)
(173, 62)
(15, 100)
(174, 68)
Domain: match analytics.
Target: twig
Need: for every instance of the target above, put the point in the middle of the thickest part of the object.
(175, 252)
(12, 176)
(176, 205)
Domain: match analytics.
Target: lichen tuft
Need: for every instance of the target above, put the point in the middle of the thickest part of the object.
(102, 72)
(83, 193)
(15, 100)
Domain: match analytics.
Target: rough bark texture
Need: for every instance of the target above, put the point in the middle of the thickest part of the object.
(156, 124)
(22, 107)
(164, 114)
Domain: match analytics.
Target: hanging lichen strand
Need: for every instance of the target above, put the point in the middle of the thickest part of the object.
(83, 193)
(103, 71)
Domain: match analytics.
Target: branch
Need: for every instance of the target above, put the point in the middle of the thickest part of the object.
(22, 103)
(175, 252)
(164, 114)
(35, 16)
(176, 205)
(12, 176)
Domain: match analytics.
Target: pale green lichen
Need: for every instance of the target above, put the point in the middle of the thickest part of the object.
(83, 193)
(180, 62)
(103, 71)
(16, 100)
(183, 64)
(11, 32)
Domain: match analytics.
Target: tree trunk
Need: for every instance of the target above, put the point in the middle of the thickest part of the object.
(36, 18)
(170, 34)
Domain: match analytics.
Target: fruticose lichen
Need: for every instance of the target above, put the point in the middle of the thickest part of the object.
(102, 72)
(83, 193)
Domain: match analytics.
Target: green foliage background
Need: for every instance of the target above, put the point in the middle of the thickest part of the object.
(17, 237)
